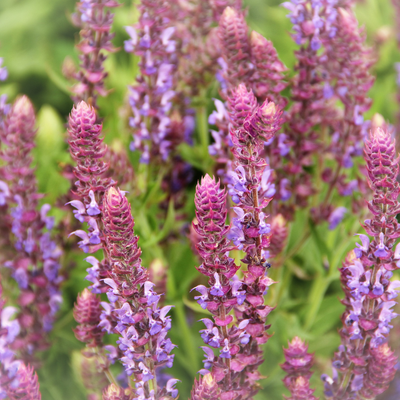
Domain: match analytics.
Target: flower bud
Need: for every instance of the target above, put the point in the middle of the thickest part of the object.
(28, 385)
(205, 388)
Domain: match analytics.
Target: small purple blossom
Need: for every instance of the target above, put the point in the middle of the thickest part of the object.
(336, 217)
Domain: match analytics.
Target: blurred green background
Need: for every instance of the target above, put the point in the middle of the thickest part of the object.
(35, 38)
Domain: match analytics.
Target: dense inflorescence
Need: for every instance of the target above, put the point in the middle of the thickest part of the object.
(223, 293)
(87, 150)
(298, 368)
(28, 385)
(87, 313)
(366, 274)
(313, 25)
(205, 389)
(279, 234)
(252, 61)
(333, 68)
(34, 261)
(141, 324)
(17, 381)
(152, 39)
(95, 22)
(380, 372)
(250, 233)
(349, 65)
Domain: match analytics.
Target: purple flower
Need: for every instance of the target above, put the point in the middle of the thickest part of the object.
(216, 289)
(225, 351)
(284, 191)
(204, 296)
(92, 207)
(80, 210)
(209, 353)
(3, 71)
(146, 373)
(362, 248)
(336, 217)
(170, 387)
(4, 193)
(130, 44)
(239, 294)
(220, 114)
(381, 249)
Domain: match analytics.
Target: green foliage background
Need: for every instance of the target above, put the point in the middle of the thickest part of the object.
(35, 37)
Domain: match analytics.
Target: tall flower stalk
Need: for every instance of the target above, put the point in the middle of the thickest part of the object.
(141, 324)
(222, 294)
(152, 39)
(312, 26)
(297, 365)
(365, 277)
(95, 21)
(349, 65)
(34, 263)
(250, 233)
(249, 60)
(87, 150)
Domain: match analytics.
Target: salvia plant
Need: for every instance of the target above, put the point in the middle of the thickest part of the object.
(216, 215)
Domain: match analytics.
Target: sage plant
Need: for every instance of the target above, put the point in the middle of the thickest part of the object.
(250, 232)
(87, 150)
(141, 324)
(365, 277)
(347, 53)
(152, 39)
(298, 369)
(17, 381)
(205, 388)
(95, 20)
(223, 293)
(312, 26)
(198, 50)
(34, 264)
(253, 61)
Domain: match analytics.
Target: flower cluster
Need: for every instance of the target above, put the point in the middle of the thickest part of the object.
(17, 381)
(252, 61)
(95, 20)
(198, 50)
(380, 372)
(223, 293)
(152, 39)
(313, 24)
(28, 385)
(87, 149)
(205, 389)
(279, 234)
(87, 313)
(9, 330)
(348, 69)
(114, 392)
(250, 232)
(141, 324)
(297, 366)
(34, 262)
(367, 271)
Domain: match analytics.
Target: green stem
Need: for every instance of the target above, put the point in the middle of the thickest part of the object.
(317, 293)
(202, 124)
(295, 248)
(186, 335)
